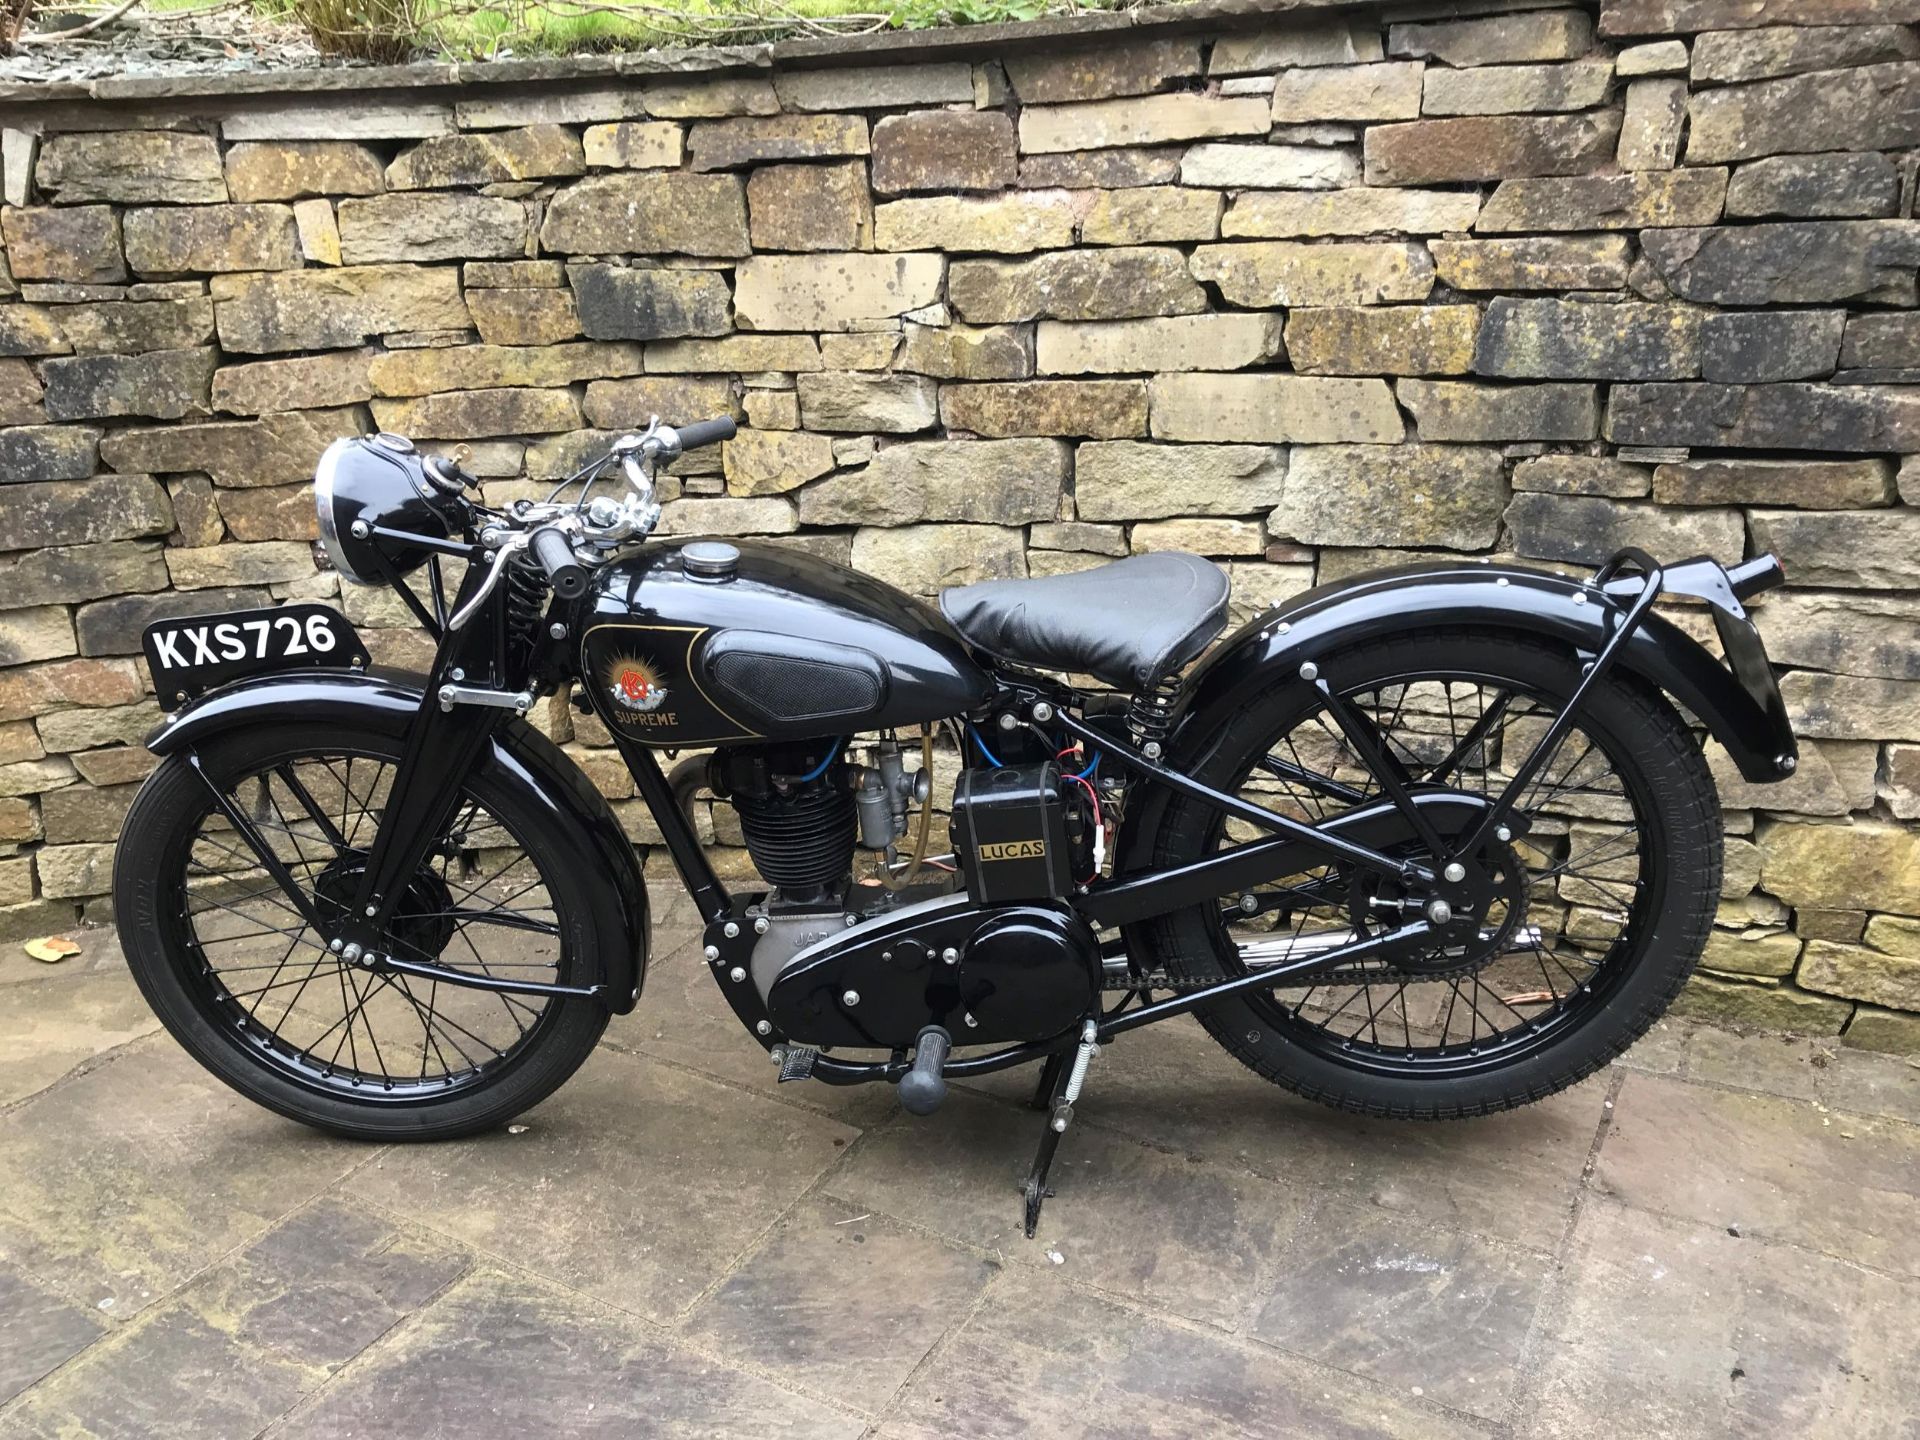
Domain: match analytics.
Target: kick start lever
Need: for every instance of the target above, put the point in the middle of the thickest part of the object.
(923, 1087)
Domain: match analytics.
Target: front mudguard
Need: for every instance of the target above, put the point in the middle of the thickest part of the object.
(1744, 714)
(520, 756)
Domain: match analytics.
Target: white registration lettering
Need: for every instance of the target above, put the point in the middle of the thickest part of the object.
(163, 646)
(232, 647)
(319, 633)
(261, 628)
(290, 624)
(203, 653)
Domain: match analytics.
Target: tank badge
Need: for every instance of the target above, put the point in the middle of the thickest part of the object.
(635, 686)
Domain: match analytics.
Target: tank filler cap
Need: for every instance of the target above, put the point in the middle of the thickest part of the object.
(710, 560)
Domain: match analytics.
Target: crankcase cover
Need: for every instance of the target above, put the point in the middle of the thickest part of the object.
(1020, 972)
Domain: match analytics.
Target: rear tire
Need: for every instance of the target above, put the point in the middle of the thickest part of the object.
(170, 910)
(1675, 824)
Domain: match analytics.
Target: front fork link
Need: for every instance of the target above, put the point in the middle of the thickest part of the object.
(1059, 1087)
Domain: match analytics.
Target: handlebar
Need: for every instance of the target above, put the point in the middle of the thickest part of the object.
(706, 432)
(553, 552)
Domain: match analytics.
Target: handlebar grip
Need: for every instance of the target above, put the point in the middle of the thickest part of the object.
(706, 432)
(554, 555)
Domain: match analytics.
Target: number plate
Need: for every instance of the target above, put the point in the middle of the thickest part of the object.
(198, 653)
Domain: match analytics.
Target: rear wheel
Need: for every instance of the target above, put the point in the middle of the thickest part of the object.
(1603, 898)
(231, 966)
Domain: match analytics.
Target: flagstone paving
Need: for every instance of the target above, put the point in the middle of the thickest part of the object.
(1720, 1236)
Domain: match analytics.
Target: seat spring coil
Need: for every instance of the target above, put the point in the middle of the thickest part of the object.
(1150, 715)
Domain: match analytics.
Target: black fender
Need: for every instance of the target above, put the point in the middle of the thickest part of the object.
(520, 756)
(1747, 718)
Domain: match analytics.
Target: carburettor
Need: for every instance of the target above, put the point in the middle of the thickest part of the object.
(881, 792)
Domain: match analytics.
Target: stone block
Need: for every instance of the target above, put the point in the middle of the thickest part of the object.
(1275, 409)
(1389, 90)
(1873, 107)
(1728, 57)
(634, 145)
(76, 243)
(1585, 340)
(1656, 57)
(1151, 214)
(173, 167)
(1514, 89)
(649, 212)
(944, 150)
(363, 120)
(626, 404)
(1460, 410)
(161, 384)
(1845, 549)
(1174, 342)
(772, 462)
(295, 169)
(1854, 634)
(1787, 262)
(1656, 112)
(1126, 480)
(1852, 707)
(1281, 272)
(1146, 120)
(1332, 40)
(21, 397)
(71, 512)
(284, 512)
(1219, 538)
(1582, 475)
(875, 87)
(1493, 147)
(489, 367)
(965, 352)
(1881, 342)
(1585, 529)
(1283, 215)
(47, 452)
(1865, 185)
(1090, 409)
(413, 227)
(755, 139)
(862, 404)
(67, 574)
(1856, 419)
(1098, 72)
(810, 207)
(1449, 496)
(1101, 169)
(993, 482)
(327, 309)
(308, 383)
(704, 99)
(1539, 262)
(210, 238)
(42, 632)
(1383, 340)
(1111, 284)
(833, 291)
(273, 450)
(1756, 346)
(618, 302)
(1802, 484)
(1496, 39)
(926, 559)
(1276, 167)
(33, 330)
(1643, 200)
(508, 411)
(1757, 952)
(531, 152)
(736, 354)
(319, 231)
(534, 316)
(196, 516)
(1861, 973)
(1016, 223)
(131, 327)
(507, 109)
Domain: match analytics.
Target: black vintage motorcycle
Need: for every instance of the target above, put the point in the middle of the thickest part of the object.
(1433, 841)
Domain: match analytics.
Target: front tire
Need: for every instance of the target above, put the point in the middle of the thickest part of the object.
(240, 979)
(1586, 954)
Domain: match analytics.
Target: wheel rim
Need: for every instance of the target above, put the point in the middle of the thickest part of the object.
(481, 904)
(1550, 957)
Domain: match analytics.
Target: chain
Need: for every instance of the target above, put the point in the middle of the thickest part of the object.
(1161, 980)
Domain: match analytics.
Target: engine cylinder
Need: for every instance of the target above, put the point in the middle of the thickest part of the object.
(799, 831)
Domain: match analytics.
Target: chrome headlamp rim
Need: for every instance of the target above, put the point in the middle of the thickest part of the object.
(323, 497)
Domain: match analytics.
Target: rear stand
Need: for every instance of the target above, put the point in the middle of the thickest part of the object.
(1059, 1087)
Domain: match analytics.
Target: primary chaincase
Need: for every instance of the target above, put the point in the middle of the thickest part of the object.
(988, 975)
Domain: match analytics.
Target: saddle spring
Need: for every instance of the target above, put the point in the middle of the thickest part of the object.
(1150, 714)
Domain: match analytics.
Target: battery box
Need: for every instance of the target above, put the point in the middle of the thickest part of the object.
(1010, 834)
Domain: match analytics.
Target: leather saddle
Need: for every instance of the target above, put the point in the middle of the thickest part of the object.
(1127, 624)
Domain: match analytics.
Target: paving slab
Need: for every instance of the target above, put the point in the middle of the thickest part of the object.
(119, 1185)
(1869, 1084)
(843, 1301)
(65, 1021)
(507, 1355)
(1776, 1169)
(1669, 1327)
(39, 1331)
(1184, 1235)
(1042, 1358)
(639, 1182)
(243, 1343)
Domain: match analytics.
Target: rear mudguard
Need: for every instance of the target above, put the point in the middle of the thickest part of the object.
(386, 701)
(1268, 651)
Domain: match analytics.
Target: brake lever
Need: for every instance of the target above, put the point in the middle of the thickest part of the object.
(511, 546)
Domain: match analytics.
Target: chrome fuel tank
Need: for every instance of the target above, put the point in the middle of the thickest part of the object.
(686, 643)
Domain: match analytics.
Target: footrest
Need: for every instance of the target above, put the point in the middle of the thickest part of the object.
(796, 1062)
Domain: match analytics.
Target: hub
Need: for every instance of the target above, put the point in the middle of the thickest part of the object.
(422, 923)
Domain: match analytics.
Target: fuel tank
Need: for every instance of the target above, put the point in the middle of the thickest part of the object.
(695, 642)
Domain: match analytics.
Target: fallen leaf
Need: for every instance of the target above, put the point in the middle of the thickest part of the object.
(51, 949)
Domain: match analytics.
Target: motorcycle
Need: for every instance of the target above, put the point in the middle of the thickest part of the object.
(1433, 841)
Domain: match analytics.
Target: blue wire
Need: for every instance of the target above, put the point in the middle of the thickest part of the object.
(992, 759)
(821, 768)
(1091, 768)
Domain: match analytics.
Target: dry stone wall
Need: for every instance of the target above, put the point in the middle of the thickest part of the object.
(1306, 292)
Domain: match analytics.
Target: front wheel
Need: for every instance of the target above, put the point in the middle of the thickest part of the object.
(1604, 893)
(230, 965)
